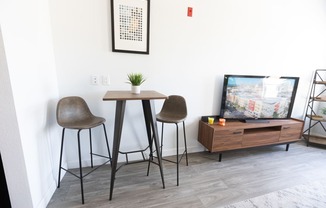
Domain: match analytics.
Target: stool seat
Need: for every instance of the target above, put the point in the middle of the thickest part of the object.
(87, 123)
(170, 118)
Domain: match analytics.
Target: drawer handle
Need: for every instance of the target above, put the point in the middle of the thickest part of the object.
(286, 127)
(237, 132)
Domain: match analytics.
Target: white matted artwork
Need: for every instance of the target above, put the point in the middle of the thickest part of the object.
(130, 26)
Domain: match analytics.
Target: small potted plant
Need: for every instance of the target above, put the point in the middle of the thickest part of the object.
(136, 79)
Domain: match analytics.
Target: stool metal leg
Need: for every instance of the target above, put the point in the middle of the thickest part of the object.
(162, 138)
(177, 132)
(80, 168)
(178, 159)
(81, 176)
(90, 146)
(185, 140)
(60, 162)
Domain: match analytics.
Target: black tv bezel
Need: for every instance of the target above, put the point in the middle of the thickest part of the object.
(250, 119)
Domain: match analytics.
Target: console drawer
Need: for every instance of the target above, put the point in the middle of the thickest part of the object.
(260, 138)
(228, 132)
(228, 142)
(291, 132)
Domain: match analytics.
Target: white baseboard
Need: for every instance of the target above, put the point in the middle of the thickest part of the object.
(48, 193)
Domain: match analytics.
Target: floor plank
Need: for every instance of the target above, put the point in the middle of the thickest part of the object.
(205, 183)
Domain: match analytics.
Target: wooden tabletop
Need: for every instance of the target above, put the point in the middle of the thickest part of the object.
(127, 95)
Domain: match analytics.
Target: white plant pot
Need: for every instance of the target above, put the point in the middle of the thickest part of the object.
(135, 89)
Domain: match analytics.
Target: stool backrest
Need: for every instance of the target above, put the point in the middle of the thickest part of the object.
(175, 105)
(72, 109)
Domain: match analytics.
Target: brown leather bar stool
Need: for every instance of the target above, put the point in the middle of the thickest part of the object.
(174, 111)
(73, 113)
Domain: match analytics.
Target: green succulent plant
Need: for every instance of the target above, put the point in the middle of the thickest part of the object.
(136, 79)
(323, 110)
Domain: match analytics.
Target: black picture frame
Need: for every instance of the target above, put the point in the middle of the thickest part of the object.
(130, 26)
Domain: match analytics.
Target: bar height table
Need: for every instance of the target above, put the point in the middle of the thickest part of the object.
(147, 98)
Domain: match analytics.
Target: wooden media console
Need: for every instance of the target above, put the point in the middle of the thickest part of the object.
(239, 135)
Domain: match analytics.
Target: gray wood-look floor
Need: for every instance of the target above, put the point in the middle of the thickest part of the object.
(242, 174)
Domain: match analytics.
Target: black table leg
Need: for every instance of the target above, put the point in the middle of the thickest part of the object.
(147, 121)
(118, 123)
(149, 135)
(150, 119)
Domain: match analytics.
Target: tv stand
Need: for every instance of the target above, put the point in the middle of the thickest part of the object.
(238, 135)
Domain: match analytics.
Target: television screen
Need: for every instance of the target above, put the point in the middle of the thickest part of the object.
(258, 97)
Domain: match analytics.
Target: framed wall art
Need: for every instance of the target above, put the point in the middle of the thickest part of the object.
(130, 26)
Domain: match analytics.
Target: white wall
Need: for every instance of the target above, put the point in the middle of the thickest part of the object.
(31, 71)
(188, 56)
(11, 147)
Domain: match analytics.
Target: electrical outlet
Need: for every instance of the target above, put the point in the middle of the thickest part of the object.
(94, 79)
(106, 80)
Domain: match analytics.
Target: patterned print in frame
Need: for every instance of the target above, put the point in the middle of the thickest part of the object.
(130, 26)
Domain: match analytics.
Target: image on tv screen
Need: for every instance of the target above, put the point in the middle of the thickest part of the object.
(259, 97)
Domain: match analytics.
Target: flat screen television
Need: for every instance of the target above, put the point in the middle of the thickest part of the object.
(257, 98)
